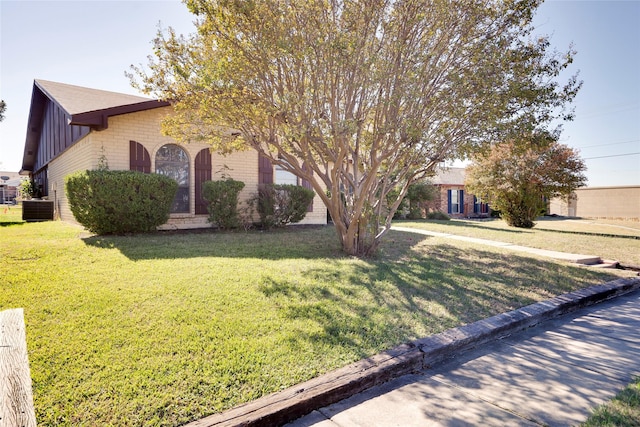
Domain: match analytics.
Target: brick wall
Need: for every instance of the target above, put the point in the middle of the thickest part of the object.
(144, 128)
(440, 203)
(80, 156)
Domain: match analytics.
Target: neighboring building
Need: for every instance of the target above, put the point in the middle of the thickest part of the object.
(600, 203)
(451, 197)
(9, 187)
(73, 128)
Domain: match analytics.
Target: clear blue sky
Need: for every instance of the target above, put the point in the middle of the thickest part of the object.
(92, 43)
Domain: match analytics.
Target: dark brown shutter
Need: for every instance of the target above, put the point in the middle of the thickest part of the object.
(139, 159)
(203, 173)
(265, 170)
(307, 184)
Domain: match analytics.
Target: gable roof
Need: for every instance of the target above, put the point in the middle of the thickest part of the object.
(92, 107)
(80, 106)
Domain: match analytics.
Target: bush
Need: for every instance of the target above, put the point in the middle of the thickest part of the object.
(279, 205)
(418, 194)
(27, 189)
(105, 201)
(438, 216)
(391, 197)
(412, 206)
(222, 201)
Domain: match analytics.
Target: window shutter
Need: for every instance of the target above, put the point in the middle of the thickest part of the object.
(139, 159)
(265, 170)
(449, 201)
(475, 205)
(202, 174)
(461, 201)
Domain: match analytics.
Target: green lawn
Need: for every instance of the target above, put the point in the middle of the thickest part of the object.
(587, 237)
(622, 411)
(166, 328)
(10, 214)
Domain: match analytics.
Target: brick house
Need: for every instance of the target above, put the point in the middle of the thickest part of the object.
(73, 128)
(451, 197)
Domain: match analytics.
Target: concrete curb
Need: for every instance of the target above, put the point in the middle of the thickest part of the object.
(295, 402)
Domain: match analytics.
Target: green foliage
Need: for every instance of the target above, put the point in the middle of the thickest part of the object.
(622, 411)
(27, 189)
(105, 201)
(166, 328)
(279, 205)
(222, 202)
(518, 176)
(521, 208)
(371, 95)
(417, 194)
(400, 210)
(441, 216)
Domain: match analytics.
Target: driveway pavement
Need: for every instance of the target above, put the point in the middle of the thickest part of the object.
(552, 374)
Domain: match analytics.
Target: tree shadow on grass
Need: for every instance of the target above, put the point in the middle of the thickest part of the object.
(306, 242)
(468, 224)
(412, 289)
(366, 307)
(11, 223)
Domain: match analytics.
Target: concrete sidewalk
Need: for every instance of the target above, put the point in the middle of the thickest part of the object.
(548, 362)
(553, 374)
(590, 260)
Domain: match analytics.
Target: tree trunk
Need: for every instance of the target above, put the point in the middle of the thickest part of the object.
(357, 237)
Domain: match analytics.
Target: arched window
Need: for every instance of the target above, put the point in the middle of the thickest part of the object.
(172, 161)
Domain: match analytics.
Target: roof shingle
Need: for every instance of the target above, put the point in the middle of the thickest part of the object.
(77, 99)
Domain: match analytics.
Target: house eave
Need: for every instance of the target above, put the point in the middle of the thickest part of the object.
(99, 120)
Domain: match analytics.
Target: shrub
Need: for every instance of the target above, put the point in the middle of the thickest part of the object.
(412, 205)
(438, 216)
(105, 201)
(418, 194)
(27, 189)
(279, 205)
(222, 201)
(402, 207)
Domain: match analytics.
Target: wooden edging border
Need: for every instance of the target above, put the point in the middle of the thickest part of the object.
(16, 396)
(285, 406)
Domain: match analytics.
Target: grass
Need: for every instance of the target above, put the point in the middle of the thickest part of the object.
(10, 214)
(612, 240)
(166, 328)
(622, 411)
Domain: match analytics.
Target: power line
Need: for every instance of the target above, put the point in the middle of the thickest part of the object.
(613, 155)
(609, 109)
(612, 143)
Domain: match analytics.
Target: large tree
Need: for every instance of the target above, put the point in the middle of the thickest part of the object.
(518, 176)
(360, 98)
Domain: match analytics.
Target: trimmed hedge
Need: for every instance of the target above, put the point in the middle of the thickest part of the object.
(107, 202)
(222, 201)
(279, 205)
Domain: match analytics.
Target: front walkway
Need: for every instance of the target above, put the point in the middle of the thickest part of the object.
(590, 260)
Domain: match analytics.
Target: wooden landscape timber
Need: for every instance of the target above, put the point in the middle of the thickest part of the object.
(16, 398)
